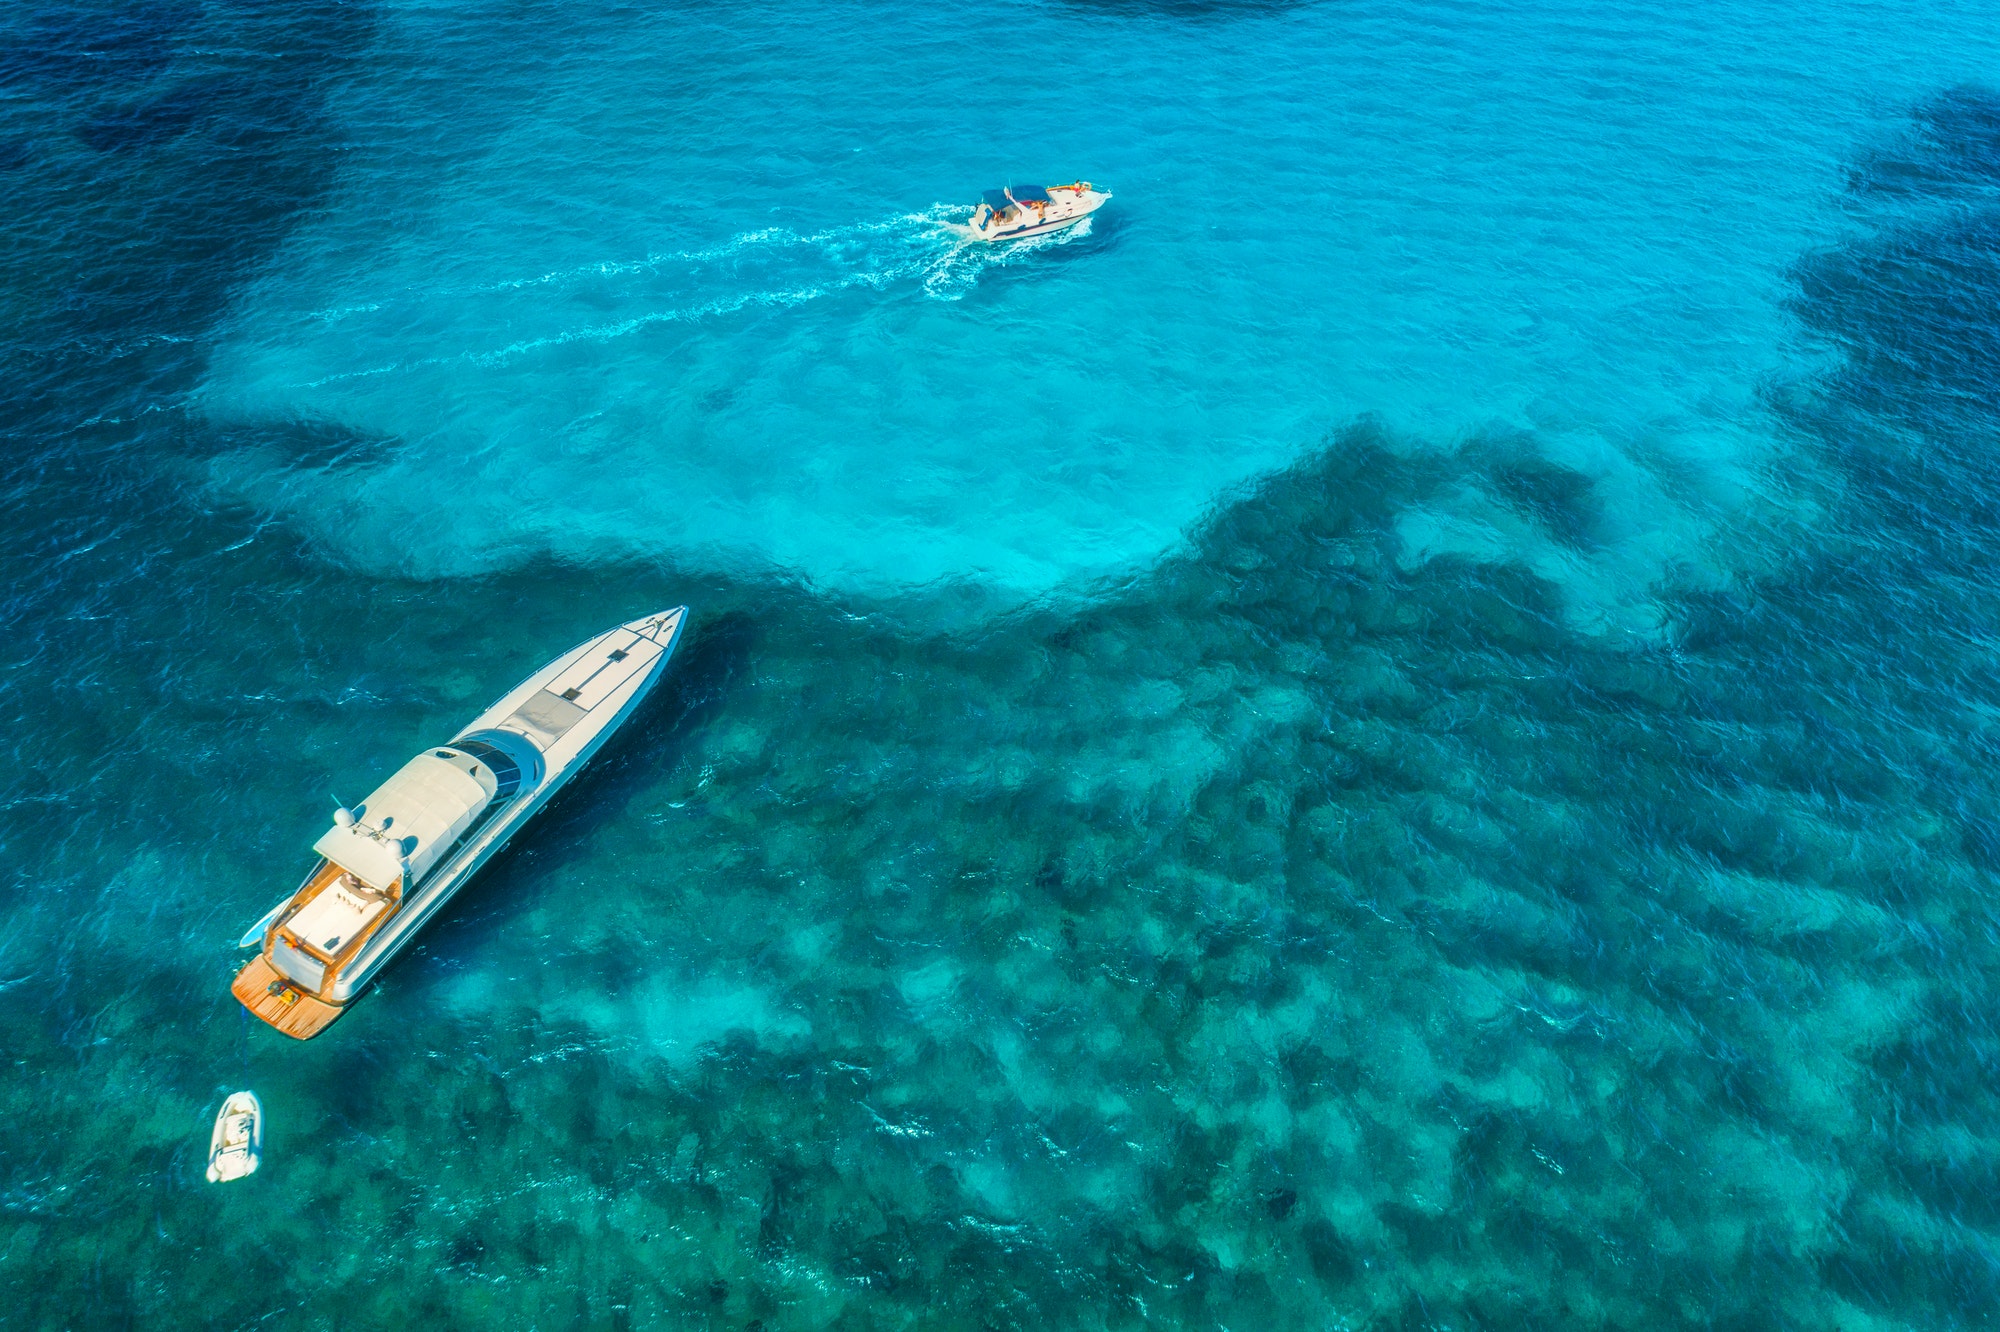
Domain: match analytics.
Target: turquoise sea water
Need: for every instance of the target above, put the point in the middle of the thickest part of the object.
(1399, 734)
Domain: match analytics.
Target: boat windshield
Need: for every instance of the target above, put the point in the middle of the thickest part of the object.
(505, 770)
(998, 201)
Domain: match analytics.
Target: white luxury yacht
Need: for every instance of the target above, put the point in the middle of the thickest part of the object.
(1030, 210)
(388, 864)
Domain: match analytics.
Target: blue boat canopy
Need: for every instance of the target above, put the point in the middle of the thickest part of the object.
(997, 199)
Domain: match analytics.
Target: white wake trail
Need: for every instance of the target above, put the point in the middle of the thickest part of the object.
(771, 267)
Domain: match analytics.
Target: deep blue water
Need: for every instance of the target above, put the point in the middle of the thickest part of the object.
(1399, 734)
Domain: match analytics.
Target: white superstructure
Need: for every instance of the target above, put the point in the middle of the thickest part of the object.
(388, 864)
(1020, 211)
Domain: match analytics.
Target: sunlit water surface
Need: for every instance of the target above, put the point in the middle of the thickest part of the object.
(1399, 732)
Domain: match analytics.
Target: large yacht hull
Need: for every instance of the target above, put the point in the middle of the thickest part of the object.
(564, 737)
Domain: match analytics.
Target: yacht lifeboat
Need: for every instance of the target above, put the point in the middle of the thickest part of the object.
(1032, 210)
(390, 863)
(237, 1144)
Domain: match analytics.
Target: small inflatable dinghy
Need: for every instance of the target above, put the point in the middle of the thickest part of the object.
(238, 1141)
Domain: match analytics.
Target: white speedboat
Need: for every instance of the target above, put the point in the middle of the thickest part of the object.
(388, 865)
(1030, 210)
(237, 1145)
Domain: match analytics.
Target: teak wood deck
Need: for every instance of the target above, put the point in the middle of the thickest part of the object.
(282, 1004)
(273, 997)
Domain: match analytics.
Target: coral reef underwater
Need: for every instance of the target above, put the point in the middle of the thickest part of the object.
(1290, 933)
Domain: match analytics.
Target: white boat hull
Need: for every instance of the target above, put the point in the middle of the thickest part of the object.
(236, 1146)
(1060, 208)
(564, 758)
(549, 726)
(1024, 232)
